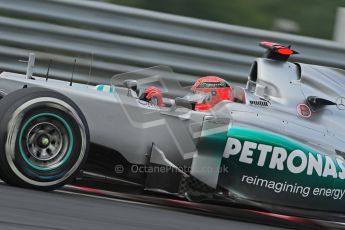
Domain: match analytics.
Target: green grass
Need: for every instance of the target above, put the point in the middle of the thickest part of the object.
(315, 17)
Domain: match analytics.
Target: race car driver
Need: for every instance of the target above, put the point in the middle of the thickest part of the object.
(215, 87)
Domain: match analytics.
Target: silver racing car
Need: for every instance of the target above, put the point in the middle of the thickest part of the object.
(279, 141)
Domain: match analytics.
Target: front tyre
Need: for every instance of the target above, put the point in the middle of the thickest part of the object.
(44, 139)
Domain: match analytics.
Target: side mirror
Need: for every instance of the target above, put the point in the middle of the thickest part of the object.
(185, 103)
(131, 84)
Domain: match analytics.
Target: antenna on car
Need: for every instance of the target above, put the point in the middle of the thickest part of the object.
(47, 75)
(71, 81)
(91, 62)
(30, 66)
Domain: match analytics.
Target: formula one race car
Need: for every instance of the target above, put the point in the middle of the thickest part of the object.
(278, 141)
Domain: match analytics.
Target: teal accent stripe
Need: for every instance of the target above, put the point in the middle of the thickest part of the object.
(105, 88)
(100, 87)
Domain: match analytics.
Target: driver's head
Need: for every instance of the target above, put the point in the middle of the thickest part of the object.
(216, 86)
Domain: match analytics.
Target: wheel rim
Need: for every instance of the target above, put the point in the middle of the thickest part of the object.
(47, 144)
(44, 141)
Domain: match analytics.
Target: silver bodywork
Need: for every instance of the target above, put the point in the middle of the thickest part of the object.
(122, 122)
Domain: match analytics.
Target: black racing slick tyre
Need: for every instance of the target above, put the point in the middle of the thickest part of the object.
(44, 139)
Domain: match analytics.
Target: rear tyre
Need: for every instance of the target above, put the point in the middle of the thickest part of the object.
(44, 139)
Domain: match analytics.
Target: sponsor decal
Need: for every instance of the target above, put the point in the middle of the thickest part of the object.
(293, 188)
(303, 110)
(273, 168)
(296, 161)
(221, 84)
(260, 103)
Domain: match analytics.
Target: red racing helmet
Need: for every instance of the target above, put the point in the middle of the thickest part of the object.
(218, 89)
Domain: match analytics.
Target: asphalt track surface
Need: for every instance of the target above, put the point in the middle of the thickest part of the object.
(24, 209)
(75, 207)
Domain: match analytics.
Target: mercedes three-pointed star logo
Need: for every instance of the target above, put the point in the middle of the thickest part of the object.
(341, 103)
